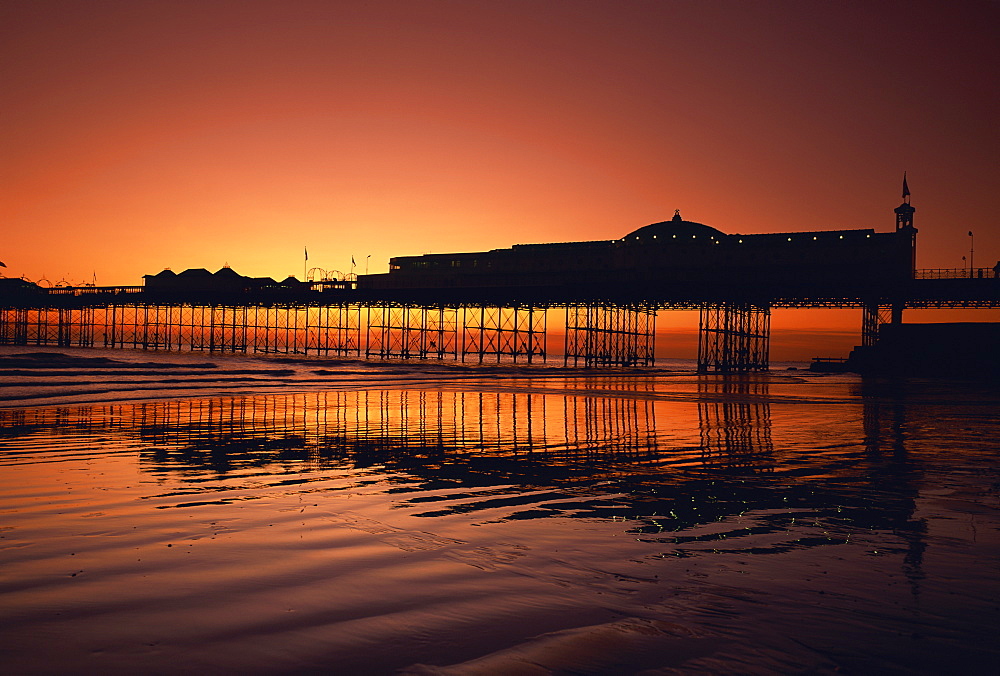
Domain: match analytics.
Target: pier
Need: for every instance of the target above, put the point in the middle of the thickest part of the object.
(485, 307)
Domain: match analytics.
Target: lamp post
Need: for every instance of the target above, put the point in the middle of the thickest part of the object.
(972, 251)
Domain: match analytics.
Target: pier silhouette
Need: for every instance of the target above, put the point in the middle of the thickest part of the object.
(495, 305)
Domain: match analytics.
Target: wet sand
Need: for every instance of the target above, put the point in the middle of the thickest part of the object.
(448, 520)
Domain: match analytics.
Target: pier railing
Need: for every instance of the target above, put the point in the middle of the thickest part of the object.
(954, 273)
(92, 290)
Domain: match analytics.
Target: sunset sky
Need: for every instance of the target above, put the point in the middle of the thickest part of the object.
(142, 135)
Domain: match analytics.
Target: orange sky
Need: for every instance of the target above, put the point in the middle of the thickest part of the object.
(142, 135)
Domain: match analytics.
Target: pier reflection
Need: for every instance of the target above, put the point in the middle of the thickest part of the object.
(734, 413)
(365, 427)
(668, 466)
(892, 471)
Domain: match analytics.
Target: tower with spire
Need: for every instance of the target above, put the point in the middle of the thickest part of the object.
(904, 212)
(904, 224)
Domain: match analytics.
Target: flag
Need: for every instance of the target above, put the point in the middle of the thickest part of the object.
(306, 251)
(352, 261)
(906, 189)
(2, 264)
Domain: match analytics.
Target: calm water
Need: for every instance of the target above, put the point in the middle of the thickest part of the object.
(501, 523)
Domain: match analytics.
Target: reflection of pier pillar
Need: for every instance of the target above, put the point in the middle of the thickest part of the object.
(733, 337)
(602, 427)
(490, 332)
(735, 420)
(609, 336)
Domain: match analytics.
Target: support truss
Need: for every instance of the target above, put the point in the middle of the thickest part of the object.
(334, 329)
(13, 326)
(602, 335)
(289, 329)
(733, 337)
(492, 332)
(873, 316)
(412, 332)
(65, 327)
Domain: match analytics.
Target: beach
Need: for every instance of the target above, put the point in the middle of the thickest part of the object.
(198, 513)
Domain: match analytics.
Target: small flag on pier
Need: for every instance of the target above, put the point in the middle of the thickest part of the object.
(906, 189)
(306, 251)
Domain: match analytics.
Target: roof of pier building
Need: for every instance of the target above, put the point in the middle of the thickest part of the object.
(195, 278)
(675, 228)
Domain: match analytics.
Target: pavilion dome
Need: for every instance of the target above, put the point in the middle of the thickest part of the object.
(677, 228)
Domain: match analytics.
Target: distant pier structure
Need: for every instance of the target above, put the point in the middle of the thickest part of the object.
(497, 305)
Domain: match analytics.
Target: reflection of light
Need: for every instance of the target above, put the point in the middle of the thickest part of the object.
(379, 426)
(362, 427)
(736, 426)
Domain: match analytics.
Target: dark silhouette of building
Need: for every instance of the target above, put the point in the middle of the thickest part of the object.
(945, 348)
(677, 257)
(224, 282)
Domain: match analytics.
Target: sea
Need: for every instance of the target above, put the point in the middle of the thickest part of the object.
(168, 513)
